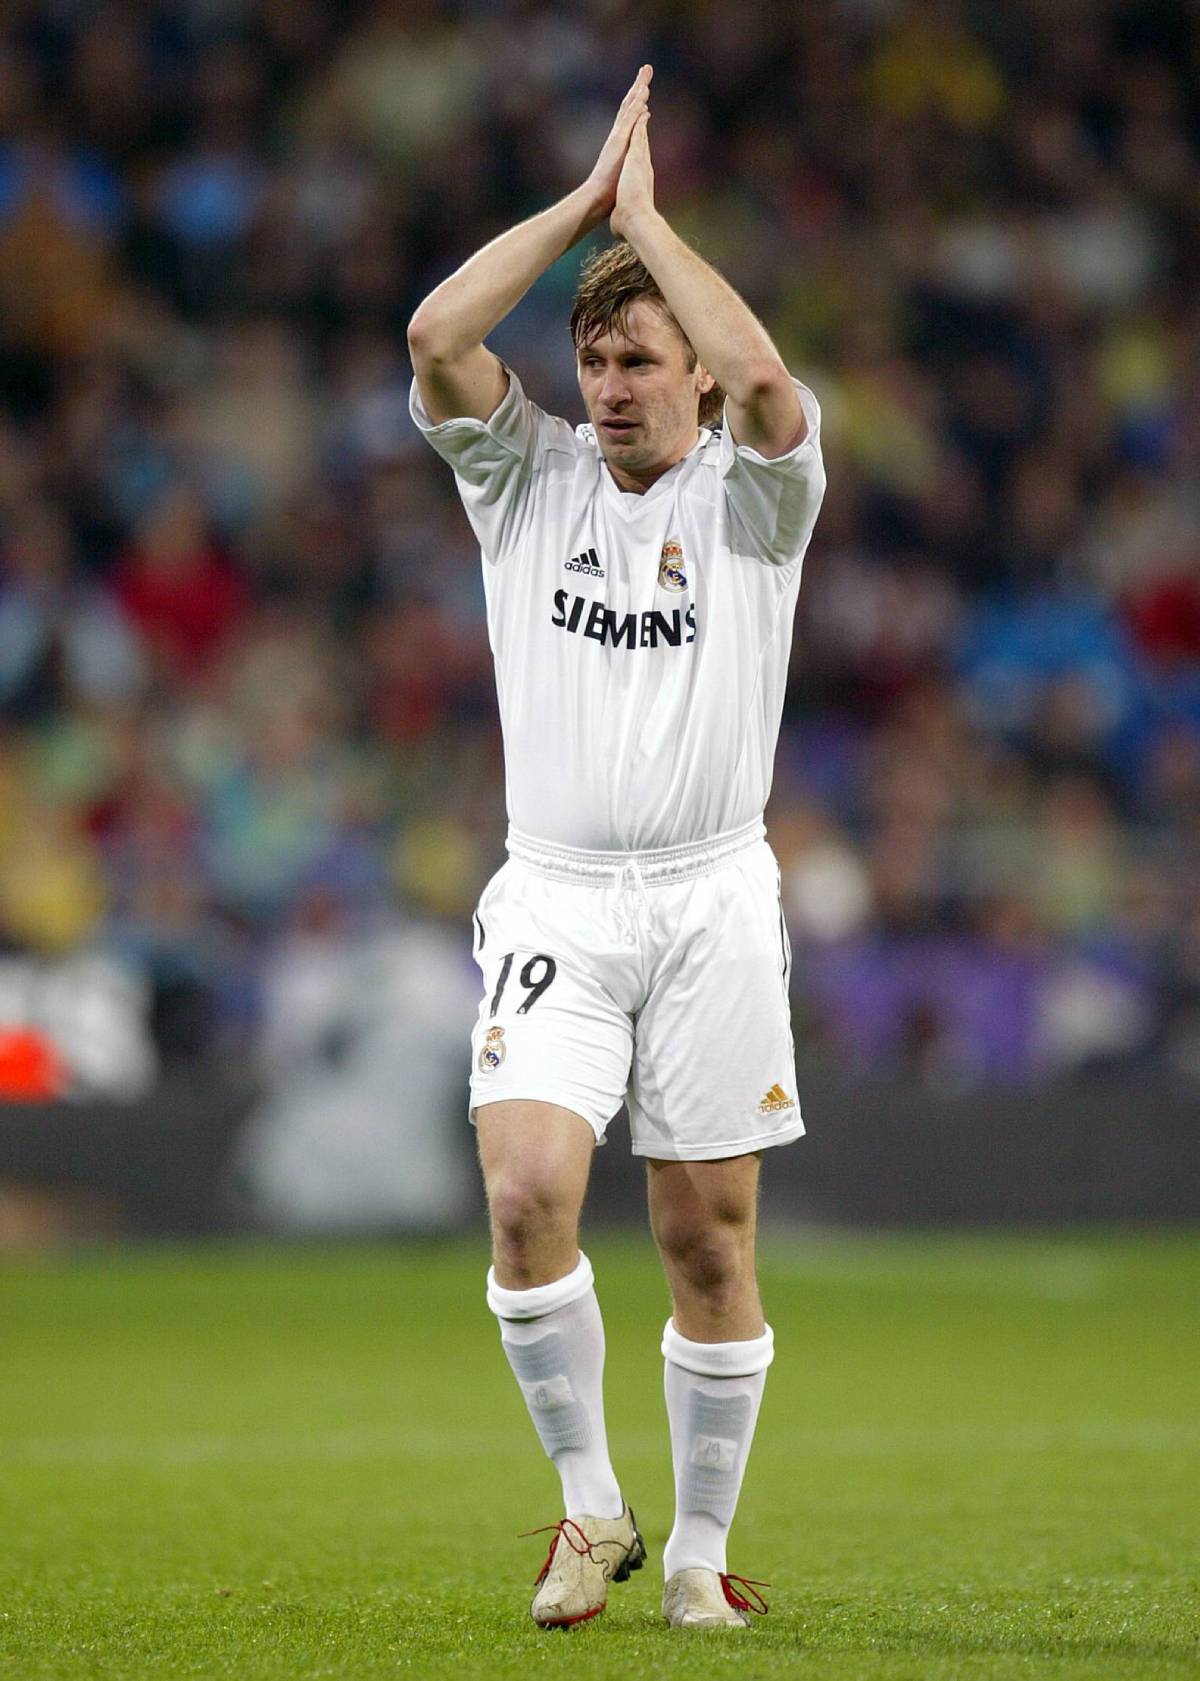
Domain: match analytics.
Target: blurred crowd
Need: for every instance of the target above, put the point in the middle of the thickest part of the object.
(246, 701)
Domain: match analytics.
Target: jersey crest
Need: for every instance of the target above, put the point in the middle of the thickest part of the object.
(671, 575)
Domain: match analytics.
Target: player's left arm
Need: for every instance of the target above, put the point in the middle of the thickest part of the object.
(763, 407)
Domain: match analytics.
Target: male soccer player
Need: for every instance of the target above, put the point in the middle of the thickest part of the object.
(641, 574)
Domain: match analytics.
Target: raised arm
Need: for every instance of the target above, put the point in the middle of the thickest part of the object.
(735, 347)
(456, 373)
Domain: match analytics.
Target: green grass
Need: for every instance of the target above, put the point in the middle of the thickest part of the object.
(977, 1457)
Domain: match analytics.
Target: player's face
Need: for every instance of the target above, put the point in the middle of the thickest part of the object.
(641, 397)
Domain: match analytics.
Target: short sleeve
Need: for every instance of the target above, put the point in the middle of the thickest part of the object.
(495, 461)
(774, 504)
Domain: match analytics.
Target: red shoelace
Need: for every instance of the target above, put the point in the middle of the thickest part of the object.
(561, 1529)
(751, 1601)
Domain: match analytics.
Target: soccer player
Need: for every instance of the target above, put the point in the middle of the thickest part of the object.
(641, 573)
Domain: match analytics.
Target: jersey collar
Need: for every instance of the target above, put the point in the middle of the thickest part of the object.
(630, 498)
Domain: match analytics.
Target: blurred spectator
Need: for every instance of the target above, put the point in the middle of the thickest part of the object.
(63, 639)
(246, 715)
(179, 587)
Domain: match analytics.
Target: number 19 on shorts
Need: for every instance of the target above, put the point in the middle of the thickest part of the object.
(536, 976)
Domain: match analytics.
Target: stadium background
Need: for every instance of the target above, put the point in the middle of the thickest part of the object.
(250, 772)
(250, 783)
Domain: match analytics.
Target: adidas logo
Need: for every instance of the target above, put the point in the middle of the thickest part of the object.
(776, 1099)
(588, 563)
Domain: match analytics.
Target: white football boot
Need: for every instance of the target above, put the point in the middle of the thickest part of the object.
(585, 1555)
(708, 1599)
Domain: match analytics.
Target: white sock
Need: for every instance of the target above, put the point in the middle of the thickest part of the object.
(714, 1390)
(554, 1339)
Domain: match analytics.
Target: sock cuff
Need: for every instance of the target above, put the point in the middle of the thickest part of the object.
(543, 1298)
(719, 1359)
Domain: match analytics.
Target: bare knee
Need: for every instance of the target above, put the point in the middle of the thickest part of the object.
(534, 1213)
(535, 1161)
(710, 1258)
(526, 1211)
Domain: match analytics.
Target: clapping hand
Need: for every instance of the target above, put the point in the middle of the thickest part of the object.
(609, 166)
(635, 186)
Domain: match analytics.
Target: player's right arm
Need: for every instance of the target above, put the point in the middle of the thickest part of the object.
(457, 375)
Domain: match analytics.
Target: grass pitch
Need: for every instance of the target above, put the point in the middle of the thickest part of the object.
(977, 1457)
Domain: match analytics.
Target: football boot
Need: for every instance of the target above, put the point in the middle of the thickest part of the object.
(709, 1599)
(586, 1554)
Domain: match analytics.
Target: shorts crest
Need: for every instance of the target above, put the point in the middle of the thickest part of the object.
(671, 575)
(493, 1052)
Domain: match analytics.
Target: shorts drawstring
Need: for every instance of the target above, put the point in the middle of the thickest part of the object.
(633, 873)
(632, 903)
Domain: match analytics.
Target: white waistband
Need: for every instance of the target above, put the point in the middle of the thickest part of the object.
(603, 869)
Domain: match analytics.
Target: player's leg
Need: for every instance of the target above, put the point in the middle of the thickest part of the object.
(551, 1052)
(713, 1085)
(716, 1349)
(536, 1158)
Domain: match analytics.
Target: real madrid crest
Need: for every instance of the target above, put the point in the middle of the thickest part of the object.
(671, 575)
(492, 1054)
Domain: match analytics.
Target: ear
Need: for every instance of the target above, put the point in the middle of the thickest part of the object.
(704, 380)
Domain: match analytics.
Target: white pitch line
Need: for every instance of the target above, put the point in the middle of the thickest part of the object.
(1146, 1436)
(1077, 1275)
(211, 1448)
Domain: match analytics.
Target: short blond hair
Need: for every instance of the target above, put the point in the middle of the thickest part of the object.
(610, 283)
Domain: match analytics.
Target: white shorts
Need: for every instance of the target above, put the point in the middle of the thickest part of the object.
(654, 979)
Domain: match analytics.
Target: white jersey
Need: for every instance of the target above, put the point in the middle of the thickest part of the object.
(641, 641)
